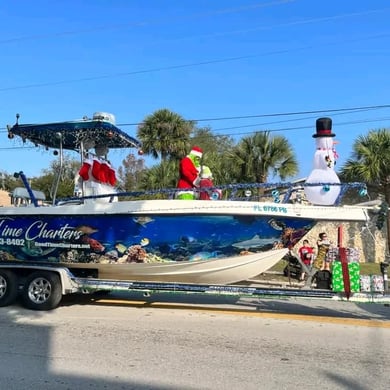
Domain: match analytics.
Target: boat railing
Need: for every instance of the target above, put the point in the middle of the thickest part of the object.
(270, 192)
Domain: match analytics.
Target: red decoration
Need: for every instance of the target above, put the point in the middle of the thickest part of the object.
(84, 170)
(111, 176)
(96, 165)
(103, 173)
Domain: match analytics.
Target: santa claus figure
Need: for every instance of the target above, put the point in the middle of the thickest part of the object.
(189, 174)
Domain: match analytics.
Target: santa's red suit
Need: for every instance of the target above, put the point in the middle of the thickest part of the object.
(189, 173)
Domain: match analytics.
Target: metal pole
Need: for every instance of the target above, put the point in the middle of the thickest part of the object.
(57, 182)
(384, 266)
(340, 236)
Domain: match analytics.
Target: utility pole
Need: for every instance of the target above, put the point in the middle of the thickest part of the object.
(384, 265)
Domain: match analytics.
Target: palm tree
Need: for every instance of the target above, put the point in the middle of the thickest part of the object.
(161, 176)
(165, 134)
(370, 163)
(256, 157)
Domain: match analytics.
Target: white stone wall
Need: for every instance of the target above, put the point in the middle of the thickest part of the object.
(370, 241)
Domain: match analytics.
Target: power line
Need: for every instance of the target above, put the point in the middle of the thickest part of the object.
(349, 110)
(151, 70)
(254, 131)
(343, 110)
(287, 24)
(286, 120)
(183, 66)
(18, 147)
(200, 15)
(311, 126)
(159, 21)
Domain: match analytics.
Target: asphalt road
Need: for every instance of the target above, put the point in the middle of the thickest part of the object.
(196, 342)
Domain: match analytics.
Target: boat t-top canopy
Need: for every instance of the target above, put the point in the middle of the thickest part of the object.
(71, 135)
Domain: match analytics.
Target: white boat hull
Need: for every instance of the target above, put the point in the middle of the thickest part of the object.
(217, 271)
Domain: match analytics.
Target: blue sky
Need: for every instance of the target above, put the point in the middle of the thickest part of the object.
(206, 60)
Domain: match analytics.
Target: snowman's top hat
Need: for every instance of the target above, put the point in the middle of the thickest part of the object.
(323, 128)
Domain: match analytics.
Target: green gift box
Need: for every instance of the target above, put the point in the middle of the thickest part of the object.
(337, 276)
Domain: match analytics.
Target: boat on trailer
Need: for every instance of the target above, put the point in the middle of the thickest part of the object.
(109, 235)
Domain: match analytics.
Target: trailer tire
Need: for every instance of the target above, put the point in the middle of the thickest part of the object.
(42, 291)
(8, 287)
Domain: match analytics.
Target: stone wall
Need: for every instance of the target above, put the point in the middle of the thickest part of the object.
(370, 241)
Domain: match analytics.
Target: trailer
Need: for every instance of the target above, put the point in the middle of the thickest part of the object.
(42, 287)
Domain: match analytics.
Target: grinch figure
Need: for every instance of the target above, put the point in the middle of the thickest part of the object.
(189, 174)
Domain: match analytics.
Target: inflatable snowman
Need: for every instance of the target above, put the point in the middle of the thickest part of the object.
(323, 167)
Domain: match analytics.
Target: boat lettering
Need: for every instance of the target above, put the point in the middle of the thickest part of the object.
(62, 245)
(39, 230)
(272, 209)
(12, 241)
(7, 231)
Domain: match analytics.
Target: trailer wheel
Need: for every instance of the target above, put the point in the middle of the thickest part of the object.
(42, 291)
(8, 287)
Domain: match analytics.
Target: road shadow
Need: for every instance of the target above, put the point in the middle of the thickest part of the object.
(282, 305)
(26, 358)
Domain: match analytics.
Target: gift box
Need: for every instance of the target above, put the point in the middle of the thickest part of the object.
(377, 283)
(371, 283)
(337, 276)
(333, 254)
(353, 254)
(365, 283)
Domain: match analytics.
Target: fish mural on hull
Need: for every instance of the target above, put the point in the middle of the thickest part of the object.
(110, 238)
(254, 242)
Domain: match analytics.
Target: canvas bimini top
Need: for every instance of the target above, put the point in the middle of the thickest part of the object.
(71, 134)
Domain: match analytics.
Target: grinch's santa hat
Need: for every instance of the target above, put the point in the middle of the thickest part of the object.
(196, 151)
(323, 128)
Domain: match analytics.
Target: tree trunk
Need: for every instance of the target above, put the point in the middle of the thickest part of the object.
(387, 198)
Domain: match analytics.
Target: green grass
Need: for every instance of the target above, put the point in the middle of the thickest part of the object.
(370, 269)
